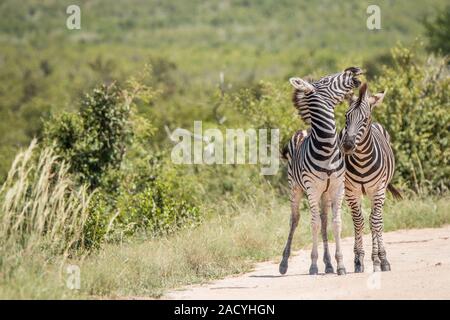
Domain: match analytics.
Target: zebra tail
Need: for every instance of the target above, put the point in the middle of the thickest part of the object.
(395, 192)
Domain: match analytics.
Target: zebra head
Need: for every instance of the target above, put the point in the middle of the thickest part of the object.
(358, 118)
(332, 89)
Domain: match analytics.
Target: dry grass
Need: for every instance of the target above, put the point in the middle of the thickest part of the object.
(42, 210)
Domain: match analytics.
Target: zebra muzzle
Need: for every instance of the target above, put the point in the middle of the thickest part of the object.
(348, 146)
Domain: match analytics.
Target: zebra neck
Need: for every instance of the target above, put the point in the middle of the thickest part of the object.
(323, 133)
(367, 141)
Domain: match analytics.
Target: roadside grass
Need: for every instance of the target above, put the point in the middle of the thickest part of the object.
(225, 244)
(32, 276)
(42, 216)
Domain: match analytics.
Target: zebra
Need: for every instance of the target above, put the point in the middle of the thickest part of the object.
(315, 162)
(369, 162)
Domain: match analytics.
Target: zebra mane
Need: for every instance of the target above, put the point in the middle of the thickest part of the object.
(356, 102)
(301, 105)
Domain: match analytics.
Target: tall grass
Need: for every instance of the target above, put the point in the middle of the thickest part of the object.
(41, 207)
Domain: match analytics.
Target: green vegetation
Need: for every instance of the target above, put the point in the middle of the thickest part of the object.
(97, 187)
(45, 68)
(42, 210)
(415, 113)
(224, 245)
(94, 141)
(438, 32)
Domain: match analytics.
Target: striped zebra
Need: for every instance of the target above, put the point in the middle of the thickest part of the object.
(369, 162)
(315, 163)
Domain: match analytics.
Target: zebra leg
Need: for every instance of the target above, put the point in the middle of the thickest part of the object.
(295, 216)
(385, 265)
(337, 227)
(314, 205)
(354, 202)
(315, 228)
(375, 257)
(378, 203)
(375, 228)
(326, 204)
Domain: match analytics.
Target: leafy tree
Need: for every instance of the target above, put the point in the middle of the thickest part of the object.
(94, 140)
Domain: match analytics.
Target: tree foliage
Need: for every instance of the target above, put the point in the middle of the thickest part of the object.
(438, 32)
(415, 113)
(94, 140)
(106, 146)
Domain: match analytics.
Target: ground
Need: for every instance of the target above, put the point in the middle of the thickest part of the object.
(420, 261)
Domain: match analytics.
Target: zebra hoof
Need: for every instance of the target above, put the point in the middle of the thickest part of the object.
(359, 264)
(283, 267)
(329, 269)
(359, 268)
(376, 268)
(313, 270)
(385, 266)
(341, 271)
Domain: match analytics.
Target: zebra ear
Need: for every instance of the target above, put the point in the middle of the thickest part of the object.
(301, 85)
(377, 98)
(363, 90)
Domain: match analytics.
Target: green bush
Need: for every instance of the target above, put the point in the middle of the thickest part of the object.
(265, 105)
(107, 146)
(94, 140)
(416, 114)
(99, 222)
(156, 210)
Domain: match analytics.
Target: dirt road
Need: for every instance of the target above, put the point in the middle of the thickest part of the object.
(420, 261)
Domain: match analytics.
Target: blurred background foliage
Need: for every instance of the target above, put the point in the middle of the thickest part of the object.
(104, 96)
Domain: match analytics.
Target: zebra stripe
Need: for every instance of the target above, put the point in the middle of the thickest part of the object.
(370, 165)
(315, 162)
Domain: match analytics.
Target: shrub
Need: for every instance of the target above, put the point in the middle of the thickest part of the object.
(107, 146)
(100, 221)
(415, 113)
(156, 210)
(266, 105)
(94, 140)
